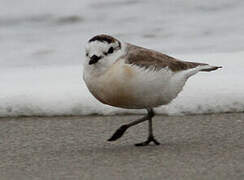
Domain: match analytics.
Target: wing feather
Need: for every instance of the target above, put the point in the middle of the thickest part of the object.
(147, 58)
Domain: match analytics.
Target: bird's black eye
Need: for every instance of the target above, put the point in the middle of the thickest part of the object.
(86, 54)
(111, 50)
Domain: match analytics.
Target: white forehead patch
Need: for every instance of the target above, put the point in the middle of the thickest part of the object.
(97, 48)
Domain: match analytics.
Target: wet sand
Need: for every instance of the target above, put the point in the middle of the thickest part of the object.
(192, 147)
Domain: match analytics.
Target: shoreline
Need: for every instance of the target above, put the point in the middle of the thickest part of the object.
(120, 115)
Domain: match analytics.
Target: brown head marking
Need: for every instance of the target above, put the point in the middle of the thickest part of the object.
(103, 38)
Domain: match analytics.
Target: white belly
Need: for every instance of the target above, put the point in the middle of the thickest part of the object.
(132, 87)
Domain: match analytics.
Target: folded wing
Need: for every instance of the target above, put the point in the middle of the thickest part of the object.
(147, 58)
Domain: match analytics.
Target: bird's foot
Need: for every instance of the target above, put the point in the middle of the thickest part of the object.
(149, 139)
(118, 133)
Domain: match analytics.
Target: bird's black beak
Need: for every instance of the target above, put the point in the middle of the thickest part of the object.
(94, 59)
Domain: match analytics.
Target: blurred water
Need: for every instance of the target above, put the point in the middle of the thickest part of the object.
(37, 33)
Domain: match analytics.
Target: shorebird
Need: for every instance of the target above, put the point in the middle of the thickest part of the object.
(124, 75)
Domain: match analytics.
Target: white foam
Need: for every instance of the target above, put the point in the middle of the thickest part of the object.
(60, 90)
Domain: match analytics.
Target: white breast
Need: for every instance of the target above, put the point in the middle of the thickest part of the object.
(129, 86)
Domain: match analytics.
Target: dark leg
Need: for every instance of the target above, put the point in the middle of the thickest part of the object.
(123, 128)
(150, 129)
(119, 132)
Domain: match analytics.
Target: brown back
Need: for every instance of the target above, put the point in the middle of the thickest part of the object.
(152, 59)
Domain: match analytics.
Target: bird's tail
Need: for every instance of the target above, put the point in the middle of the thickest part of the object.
(198, 66)
(208, 68)
(201, 67)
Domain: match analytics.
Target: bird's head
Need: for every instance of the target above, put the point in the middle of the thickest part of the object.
(102, 50)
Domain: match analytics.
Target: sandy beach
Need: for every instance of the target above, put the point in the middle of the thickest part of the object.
(192, 147)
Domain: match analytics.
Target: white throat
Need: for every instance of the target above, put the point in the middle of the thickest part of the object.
(102, 65)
